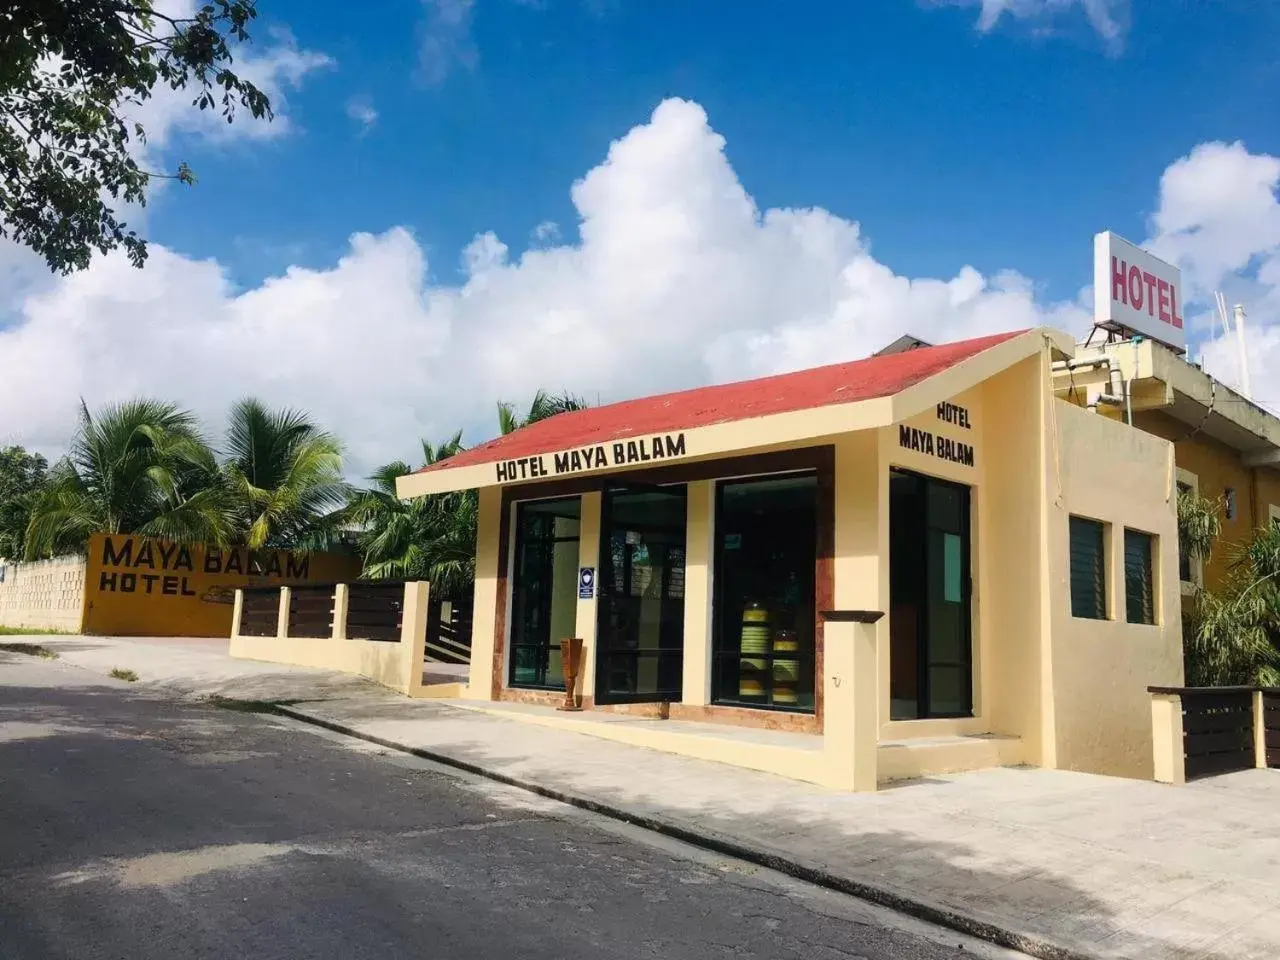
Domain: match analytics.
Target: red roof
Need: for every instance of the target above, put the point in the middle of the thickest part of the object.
(879, 376)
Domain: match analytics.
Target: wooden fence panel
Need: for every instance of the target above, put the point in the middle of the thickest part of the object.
(1217, 730)
(311, 611)
(260, 613)
(375, 611)
(449, 640)
(1271, 724)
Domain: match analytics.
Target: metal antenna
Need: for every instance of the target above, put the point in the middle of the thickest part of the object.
(1244, 356)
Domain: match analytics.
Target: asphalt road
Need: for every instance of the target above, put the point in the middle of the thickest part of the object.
(137, 827)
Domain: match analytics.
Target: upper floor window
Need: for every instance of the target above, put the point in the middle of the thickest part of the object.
(1139, 589)
(1190, 569)
(1088, 568)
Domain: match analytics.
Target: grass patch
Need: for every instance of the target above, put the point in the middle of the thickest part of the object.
(30, 632)
(123, 675)
(30, 649)
(248, 706)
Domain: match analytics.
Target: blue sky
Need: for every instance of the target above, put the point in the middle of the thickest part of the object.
(462, 201)
(947, 144)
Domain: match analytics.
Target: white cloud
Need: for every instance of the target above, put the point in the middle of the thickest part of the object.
(275, 66)
(548, 231)
(361, 110)
(279, 67)
(1218, 218)
(446, 41)
(1107, 17)
(679, 279)
(1218, 213)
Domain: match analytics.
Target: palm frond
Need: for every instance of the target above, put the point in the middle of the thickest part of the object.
(1199, 524)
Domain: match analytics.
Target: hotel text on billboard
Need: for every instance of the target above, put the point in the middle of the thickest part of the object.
(1133, 290)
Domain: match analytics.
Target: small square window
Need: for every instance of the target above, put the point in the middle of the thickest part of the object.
(1139, 590)
(1088, 568)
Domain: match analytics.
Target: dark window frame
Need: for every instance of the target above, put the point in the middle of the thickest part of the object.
(1136, 543)
(604, 651)
(809, 660)
(1184, 557)
(819, 457)
(1077, 530)
(924, 682)
(544, 648)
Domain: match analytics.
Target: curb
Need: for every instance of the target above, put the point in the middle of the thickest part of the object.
(706, 840)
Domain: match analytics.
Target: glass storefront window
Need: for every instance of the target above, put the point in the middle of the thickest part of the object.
(763, 618)
(544, 594)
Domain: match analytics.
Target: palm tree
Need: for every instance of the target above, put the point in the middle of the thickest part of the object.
(434, 537)
(1199, 523)
(283, 475)
(1230, 635)
(429, 538)
(136, 467)
(544, 405)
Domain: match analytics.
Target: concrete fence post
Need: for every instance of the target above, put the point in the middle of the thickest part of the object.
(1169, 759)
(236, 613)
(850, 725)
(282, 621)
(341, 603)
(413, 634)
(1259, 731)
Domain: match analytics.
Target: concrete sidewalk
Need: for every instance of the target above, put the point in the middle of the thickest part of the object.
(1052, 863)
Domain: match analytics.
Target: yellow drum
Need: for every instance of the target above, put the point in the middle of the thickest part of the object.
(754, 639)
(786, 673)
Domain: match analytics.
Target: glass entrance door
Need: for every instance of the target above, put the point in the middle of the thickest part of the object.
(544, 598)
(930, 647)
(640, 627)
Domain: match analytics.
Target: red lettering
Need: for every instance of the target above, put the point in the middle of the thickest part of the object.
(1119, 287)
(1150, 280)
(1135, 288)
(1165, 286)
(1173, 306)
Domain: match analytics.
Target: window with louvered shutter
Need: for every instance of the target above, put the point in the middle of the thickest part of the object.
(1139, 594)
(1088, 569)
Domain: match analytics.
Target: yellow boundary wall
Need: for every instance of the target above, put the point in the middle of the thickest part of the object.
(395, 665)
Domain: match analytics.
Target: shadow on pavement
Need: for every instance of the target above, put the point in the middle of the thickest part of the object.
(135, 826)
(1100, 909)
(213, 797)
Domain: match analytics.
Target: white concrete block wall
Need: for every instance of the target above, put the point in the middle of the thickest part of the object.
(44, 594)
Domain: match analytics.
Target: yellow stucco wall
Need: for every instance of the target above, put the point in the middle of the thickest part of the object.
(485, 603)
(136, 586)
(585, 621)
(696, 679)
(892, 454)
(1011, 575)
(1058, 691)
(379, 661)
(1101, 669)
(398, 665)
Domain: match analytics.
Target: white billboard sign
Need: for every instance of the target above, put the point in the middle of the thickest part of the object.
(1132, 290)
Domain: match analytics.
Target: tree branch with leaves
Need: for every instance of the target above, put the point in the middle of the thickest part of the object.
(71, 73)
